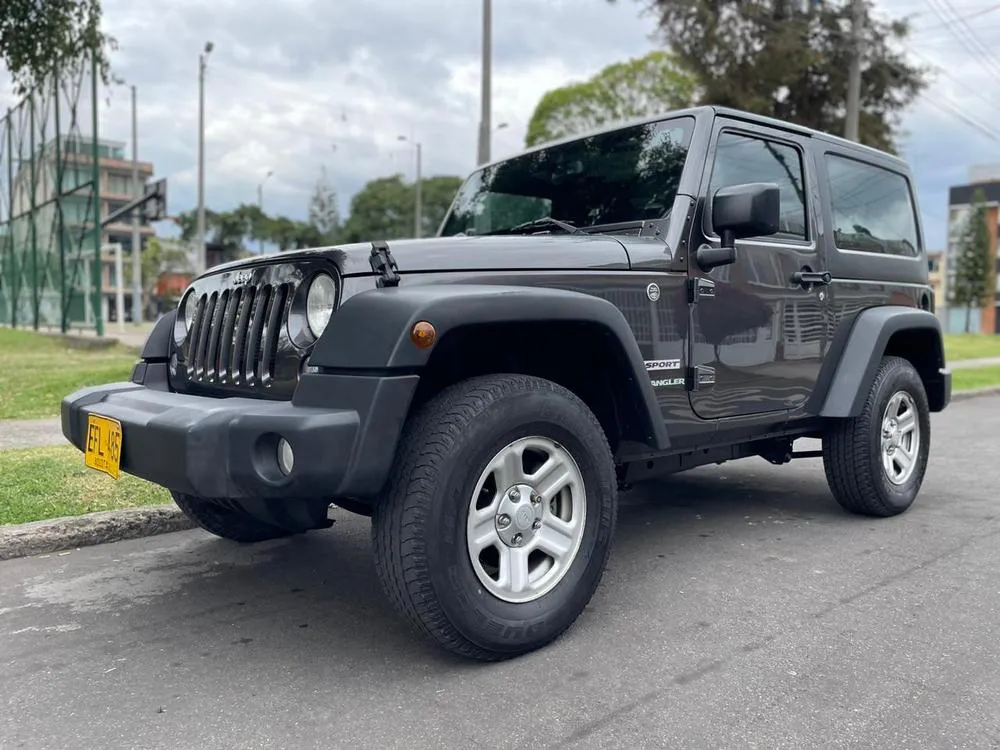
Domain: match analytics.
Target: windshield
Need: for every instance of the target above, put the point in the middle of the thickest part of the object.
(627, 175)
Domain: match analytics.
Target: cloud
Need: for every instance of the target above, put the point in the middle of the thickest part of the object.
(301, 84)
(295, 85)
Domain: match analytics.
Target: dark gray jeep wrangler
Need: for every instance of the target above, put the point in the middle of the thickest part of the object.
(701, 287)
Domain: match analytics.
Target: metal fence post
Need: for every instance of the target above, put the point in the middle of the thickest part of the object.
(33, 176)
(96, 176)
(60, 226)
(12, 270)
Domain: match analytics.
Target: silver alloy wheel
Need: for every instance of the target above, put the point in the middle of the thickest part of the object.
(526, 519)
(900, 437)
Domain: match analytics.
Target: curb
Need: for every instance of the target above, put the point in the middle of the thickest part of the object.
(58, 534)
(992, 390)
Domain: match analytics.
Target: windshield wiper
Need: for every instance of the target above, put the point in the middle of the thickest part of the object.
(538, 223)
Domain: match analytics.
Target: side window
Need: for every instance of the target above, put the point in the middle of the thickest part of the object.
(872, 208)
(740, 159)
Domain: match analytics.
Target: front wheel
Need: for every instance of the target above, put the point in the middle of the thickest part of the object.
(494, 532)
(875, 462)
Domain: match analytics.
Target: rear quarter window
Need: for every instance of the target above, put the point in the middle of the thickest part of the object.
(873, 209)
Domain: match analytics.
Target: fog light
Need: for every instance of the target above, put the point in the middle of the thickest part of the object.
(286, 459)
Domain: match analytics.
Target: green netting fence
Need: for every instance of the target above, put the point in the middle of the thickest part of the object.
(50, 236)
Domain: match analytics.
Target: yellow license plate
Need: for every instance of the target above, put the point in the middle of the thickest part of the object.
(104, 445)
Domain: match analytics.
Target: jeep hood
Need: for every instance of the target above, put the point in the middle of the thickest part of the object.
(485, 253)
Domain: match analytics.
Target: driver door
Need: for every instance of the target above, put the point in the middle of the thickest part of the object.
(757, 342)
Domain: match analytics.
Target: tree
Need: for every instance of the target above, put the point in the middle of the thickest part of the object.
(324, 214)
(36, 37)
(774, 58)
(970, 286)
(228, 229)
(437, 193)
(383, 208)
(639, 87)
(157, 257)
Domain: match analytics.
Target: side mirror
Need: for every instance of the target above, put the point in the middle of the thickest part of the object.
(739, 211)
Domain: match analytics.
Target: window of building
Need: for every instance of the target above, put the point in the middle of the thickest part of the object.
(119, 184)
(741, 159)
(872, 208)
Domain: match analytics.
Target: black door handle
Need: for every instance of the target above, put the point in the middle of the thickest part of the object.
(808, 278)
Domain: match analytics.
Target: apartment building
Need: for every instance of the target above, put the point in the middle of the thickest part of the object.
(985, 178)
(37, 194)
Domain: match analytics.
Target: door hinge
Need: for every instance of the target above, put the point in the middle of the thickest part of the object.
(700, 288)
(384, 264)
(699, 376)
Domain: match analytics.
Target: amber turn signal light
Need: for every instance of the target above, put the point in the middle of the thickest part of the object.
(423, 335)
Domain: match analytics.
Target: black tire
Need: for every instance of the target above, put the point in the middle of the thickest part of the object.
(419, 525)
(852, 448)
(227, 522)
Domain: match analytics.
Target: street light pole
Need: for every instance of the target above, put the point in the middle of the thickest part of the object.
(136, 240)
(260, 205)
(487, 90)
(418, 218)
(202, 261)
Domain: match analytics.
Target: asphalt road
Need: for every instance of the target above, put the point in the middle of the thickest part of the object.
(741, 608)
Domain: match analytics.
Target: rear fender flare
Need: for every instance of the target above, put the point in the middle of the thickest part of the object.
(853, 358)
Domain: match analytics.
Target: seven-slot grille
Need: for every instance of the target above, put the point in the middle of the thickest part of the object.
(234, 335)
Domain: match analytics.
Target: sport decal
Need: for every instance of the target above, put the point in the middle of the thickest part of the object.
(662, 364)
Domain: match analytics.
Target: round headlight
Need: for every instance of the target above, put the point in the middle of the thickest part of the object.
(190, 307)
(321, 298)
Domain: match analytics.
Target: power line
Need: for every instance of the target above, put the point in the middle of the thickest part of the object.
(950, 108)
(975, 94)
(968, 17)
(965, 37)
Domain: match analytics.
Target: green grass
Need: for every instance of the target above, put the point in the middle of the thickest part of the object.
(37, 371)
(968, 378)
(970, 346)
(42, 483)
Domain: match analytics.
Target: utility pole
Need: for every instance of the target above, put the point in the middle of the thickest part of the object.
(201, 262)
(260, 205)
(487, 90)
(854, 72)
(136, 240)
(418, 208)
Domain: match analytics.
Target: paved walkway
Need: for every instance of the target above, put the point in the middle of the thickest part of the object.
(961, 364)
(30, 433)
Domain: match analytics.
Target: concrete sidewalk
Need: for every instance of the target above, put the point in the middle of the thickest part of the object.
(962, 364)
(30, 433)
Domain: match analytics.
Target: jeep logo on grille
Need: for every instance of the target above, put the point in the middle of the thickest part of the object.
(242, 277)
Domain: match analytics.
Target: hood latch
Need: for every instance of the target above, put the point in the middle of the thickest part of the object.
(384, 264)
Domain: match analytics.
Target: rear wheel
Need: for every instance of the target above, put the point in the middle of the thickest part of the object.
(875, 462)
(251, 520)
(496, 526)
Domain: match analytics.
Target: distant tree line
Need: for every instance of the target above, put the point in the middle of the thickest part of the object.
(383, 209)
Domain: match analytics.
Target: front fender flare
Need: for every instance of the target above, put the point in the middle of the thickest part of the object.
(371, 331)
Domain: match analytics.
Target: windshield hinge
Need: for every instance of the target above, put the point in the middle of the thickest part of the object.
(384, 264)
(699, 288)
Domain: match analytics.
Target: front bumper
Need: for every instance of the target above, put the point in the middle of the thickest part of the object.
(343, 431)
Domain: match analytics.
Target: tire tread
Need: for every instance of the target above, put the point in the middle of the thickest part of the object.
(401, 515)
(846, 451)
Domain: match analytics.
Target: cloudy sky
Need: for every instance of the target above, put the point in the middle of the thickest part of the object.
(295, 85)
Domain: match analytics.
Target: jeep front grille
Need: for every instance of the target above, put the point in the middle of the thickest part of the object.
(234, 335)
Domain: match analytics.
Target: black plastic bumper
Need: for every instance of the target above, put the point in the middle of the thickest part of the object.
(343, 431)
